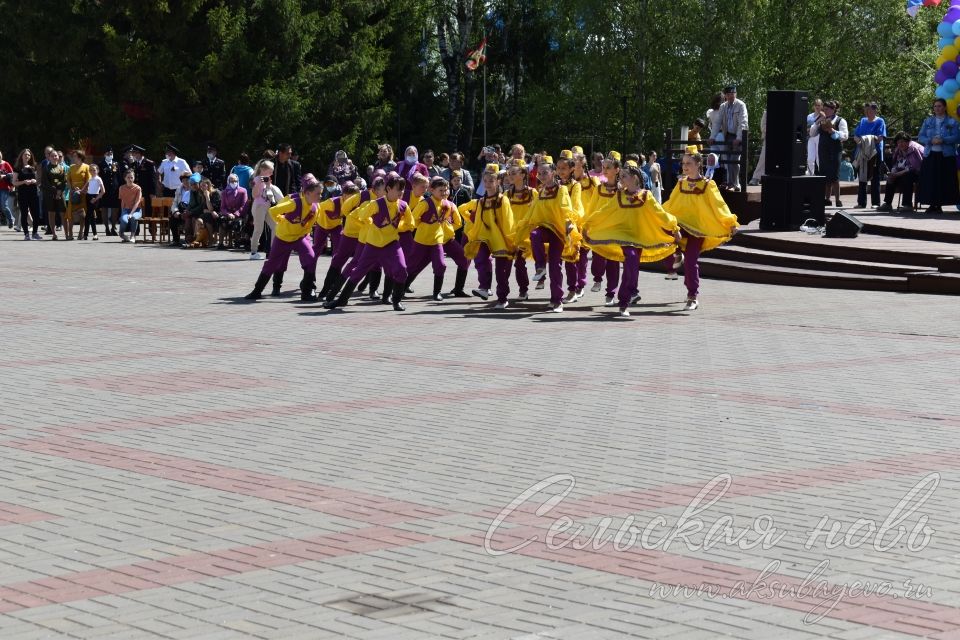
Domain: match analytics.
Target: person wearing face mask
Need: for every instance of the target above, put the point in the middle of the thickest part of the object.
(111, 172)
(170, 169)
(233, 201)
(411, 164)
(214, 169)
(331, 188)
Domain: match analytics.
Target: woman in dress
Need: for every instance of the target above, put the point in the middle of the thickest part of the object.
(833, 132)
(28, 193)
(939, 136)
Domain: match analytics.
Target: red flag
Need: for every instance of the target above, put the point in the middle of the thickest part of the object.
(477, 57)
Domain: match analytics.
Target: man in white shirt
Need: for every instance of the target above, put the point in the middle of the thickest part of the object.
(813, 142)
(733, 122)
(171, 169)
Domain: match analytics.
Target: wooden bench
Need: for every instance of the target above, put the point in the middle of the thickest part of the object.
(159, 220)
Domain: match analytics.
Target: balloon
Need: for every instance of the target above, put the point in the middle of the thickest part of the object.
(941, 93)
(940, 78)
(956, 28)
(940, 61)
(951, 87)
(951, 52)
(945, 29)
(950, 68)
(953, 14)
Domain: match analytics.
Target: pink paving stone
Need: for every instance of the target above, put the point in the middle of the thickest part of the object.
(17, 514)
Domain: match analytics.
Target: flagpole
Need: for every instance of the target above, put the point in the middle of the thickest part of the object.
(484, 98)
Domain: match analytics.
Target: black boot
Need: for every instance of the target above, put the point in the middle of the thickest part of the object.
(306, 287)
(437, 286)
(344, 296)
(458, 285)
(388, 286)
(364, 283)
(374, 283)
(277, 283)
(328, 281)
(398, 291)
(335, 283)
(862, 195)
(257, 292)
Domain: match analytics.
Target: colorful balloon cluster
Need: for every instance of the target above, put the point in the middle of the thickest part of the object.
(948, 64)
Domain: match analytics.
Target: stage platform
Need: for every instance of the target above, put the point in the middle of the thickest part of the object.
(909, 253)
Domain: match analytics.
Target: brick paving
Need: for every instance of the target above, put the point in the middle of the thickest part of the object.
(174, 464)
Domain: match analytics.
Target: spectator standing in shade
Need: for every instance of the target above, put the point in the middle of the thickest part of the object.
(146, 177)
(243, 171)
(53, 181)
(733, 123)
(411, 164)
(214, 169)
(286, 171)
(111, 172)
(170, 169)
(433, 170)
(342, 168)
(939, 135)
(813, 141)
(456, 164)
(384, 159)
(28, 193)
(833, 132)
(871, 125)
(6, 192)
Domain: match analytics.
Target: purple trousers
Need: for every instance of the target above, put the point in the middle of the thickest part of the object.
(520, 271)
(485, 272)
(406, 243)
(600, 266)
(691, 266)
(389, 257)
(280, 253)
(345, 250)
(554, 263)
(320, 237)
(631, 275)
(454, 250)
(424, 254)
(537, 249)
(577, 272)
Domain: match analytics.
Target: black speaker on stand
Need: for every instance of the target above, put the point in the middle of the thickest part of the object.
(843, 225)
(787, 133)
(786, 202)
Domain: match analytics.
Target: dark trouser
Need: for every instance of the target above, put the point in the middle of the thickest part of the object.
(874, 177)
(29, 205)
(554, 263)
(176, 226)
(904, 184)
(90, 221)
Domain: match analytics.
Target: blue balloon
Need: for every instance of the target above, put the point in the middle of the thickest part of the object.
(956, 29)
(946, 42)
(950, 87)
(941, 93)
(945, 29)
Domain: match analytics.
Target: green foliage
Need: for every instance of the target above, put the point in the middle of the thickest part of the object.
(348, 74)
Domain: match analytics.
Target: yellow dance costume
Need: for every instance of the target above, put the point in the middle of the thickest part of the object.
(701, 212)
(489, 221)
(631, 221)
(553, 210)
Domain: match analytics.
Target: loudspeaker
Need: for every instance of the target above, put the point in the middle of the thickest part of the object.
(843, 225)
(787, 133)
(786, 202)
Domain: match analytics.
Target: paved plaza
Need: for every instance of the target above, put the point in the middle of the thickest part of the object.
(175, 464)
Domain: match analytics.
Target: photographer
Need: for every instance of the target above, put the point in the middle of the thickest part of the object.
(265, 195)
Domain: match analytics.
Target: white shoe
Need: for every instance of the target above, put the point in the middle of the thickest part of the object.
(540, 285)
(596, 287)
(501, 305)
(671, 276)
(17, 228)
(624, 314)
(677, 261)
(571, 297)
(133, 240)
(483, 294)
(255, 255)
(539, 275)
(523, 297)
(691, 305)
(557, 308)
(610, 301)
(635, 299)
(579, 294)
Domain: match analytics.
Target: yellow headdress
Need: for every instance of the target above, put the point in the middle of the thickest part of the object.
(693, 149)
(577, 149)
(566, 153)
(547, 159)
(615, 155)
(492, 168)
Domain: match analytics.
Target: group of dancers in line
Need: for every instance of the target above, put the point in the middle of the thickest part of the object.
(403, 223)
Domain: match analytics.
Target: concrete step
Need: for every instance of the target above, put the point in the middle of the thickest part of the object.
(737, 253)
(767, 274)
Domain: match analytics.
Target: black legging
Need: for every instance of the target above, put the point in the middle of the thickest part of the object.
(90, 221)
(29, 204)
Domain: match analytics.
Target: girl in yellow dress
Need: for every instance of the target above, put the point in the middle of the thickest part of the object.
(522, 196)
(490, 230)
(551, 221)
(705, 220)
(576, 268)
(631, 228)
